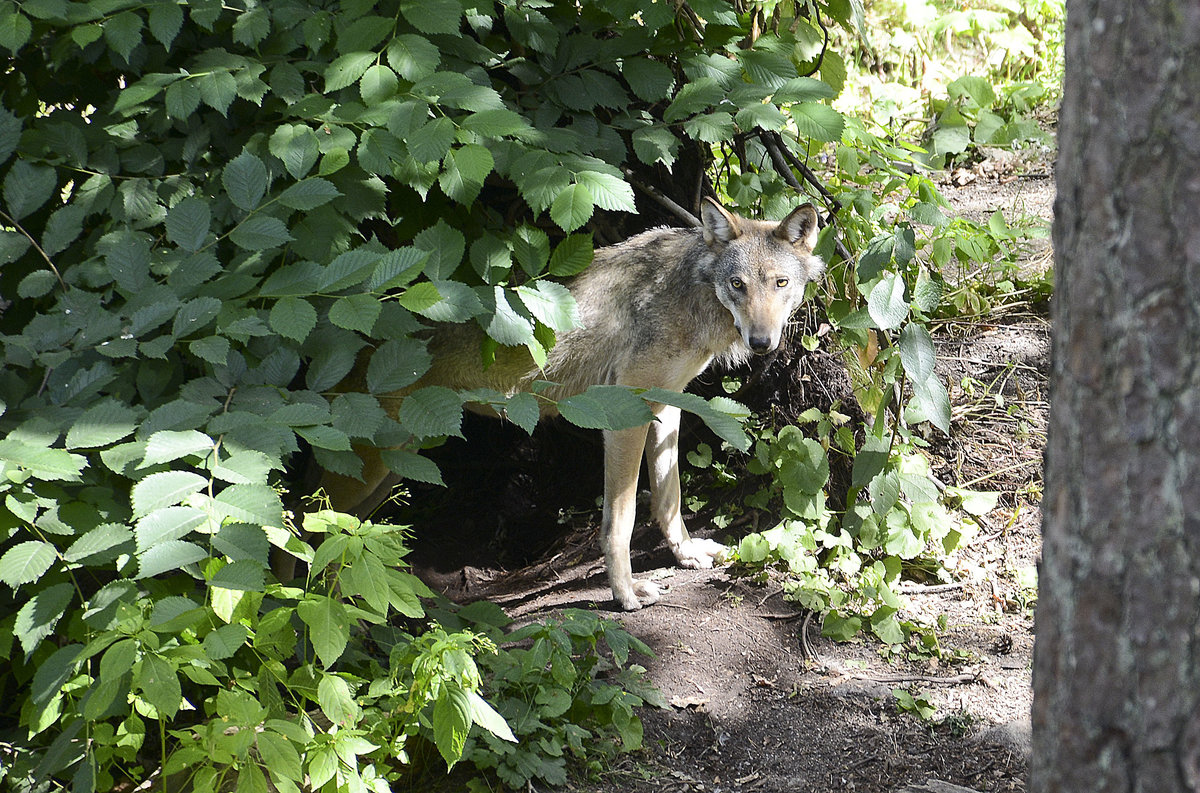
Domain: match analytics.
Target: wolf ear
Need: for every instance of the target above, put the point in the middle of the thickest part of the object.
(720, 225)
(799, 227)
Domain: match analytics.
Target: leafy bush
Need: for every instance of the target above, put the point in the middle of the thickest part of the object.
(210, 211)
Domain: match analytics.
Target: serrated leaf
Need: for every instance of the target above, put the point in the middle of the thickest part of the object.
(933, 401)
(433, 16)
(432, 412)
(15, 30)
(102, 424)
(166, 20)
(225, 641)
(495, 123)
(159, 684)
(378, 84)
(38, 617)
(293, 317)
(396, 364)
(36, 284)
(256, 504)
(572, 207)
(10, 133)
(168, 523)
(27, 187)
(571, 256)
(413, 57)
(723, 416)
(218, 89)
(356, 312)
(260, 232)
(309, 194)
(164, 489)
(700, 94)
(53, 672)
(244, 575)
(432, 141)
(330, 626)
(337, 701)
(711, 127)
(605, 408)
(99, 540)
(188, 223)
(650, 80)
(451, 723)
(410, 465)
(45, 463)
(507, 326)
(123, 32)
(183, 98)
(347, 69)
(63, 227)
(167, 445)
(245, 180)
(551, 303)
(296, 145)
(246, 467)
(26, 562)
(607, 191)
(886, 303)
(818, 121)
(656, 145)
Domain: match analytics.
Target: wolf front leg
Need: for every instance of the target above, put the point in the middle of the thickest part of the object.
(622, 460)
(662, 458)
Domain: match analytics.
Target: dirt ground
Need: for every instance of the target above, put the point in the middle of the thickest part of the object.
(749, 712)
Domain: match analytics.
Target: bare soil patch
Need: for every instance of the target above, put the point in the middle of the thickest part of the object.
(749, 712)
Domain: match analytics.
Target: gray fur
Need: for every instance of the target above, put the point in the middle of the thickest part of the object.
(655, 311)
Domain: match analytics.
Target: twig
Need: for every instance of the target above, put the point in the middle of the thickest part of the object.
(948, 681)
(922, 589)
(679, 212)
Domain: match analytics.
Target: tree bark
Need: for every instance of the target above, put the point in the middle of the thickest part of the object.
(1117, 663)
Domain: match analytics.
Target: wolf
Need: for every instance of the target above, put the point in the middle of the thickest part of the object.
(655, 311)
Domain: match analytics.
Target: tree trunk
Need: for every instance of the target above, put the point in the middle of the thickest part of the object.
(1117, 663)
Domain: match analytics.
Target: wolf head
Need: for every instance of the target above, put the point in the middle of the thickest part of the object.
(761, 269)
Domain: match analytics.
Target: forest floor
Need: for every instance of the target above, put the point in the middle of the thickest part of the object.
(748, 712)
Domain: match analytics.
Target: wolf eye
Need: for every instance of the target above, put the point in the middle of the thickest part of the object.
(736, 283)
(781, 282)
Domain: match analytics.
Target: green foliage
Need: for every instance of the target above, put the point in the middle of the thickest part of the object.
(209, 212)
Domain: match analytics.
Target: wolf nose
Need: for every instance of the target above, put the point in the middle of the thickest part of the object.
(760, 344)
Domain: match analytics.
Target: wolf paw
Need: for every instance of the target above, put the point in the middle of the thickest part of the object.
(698, 554)
(642, 593)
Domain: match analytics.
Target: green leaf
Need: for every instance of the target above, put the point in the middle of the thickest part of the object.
(101, 425)
(378, 84)
(256, 504)
(260, 232)
(329, 624)
(63, 227)
(26, 562)
(166, 20)
(293, 317)
(123, 32)
(38, 617)
(934, 403)
(802, 89)
(604, 407)
(495, 123)
(507, 326)
(337, 701)
(465, 170)
(279, 755)
(916, 352)
(431, 412)
(410, 465)
(225, 641)
(217, 90)
(296, 145)
(886, 303)
(433, 16)
(711, 127)
(723, 416)
(571, 256)
(15, 29)
(608, 191)
(167, 445)
(347, 69)
(656, 144)
(309, 194)
(818, 121)
(551, 303)
(244, 575)
(451, 722)
(245, 180)
(155, 677)
(523, 410)
(100, 540)
(432, 141)
(188, 223)
(45, 463)
(650, 80)
(164, 489)
(27, 187)
(10, 131)
(572, 208)
(168, 556)
(167, 523)
(413, 57)
(396, 364)
(700, 94)
(183, 97)
(53, 672)
(356, 312)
